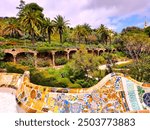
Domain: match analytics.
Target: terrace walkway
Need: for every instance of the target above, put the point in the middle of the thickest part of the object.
(13, 55)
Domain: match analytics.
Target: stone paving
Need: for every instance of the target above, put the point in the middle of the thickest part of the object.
(7, 103)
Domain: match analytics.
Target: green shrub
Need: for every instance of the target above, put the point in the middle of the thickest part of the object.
(75, 86)
(2, 65)
(46, 78)
(61, 61)
(2, 54)
(86, 84)
(64, 72)
(43, 63)
(102, 60)
(2, 39)
(120, 54)
(52, 79)
(16, 68)
(76, 74)
(83, 83)
(36, 77)
(99, 74)
(52, 71)
(44, 49)
(43, 78)
(63, 82)
(91, 82)
(66, 44)
(26, 62)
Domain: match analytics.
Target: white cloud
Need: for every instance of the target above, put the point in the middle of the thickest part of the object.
(94, 12)
(123, 6)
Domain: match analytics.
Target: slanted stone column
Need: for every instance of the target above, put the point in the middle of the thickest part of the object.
(98, 52)
(35, 59)
(15, 60)
(53, 58)
(68, 57)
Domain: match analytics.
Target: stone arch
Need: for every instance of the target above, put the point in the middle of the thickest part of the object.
(44, 59)
(90, 51)
(8, 57)
(96, 52)
(25, 56)
(100, 52)
(71, 53)
(60, 55)
(113, 50)
(107, 50)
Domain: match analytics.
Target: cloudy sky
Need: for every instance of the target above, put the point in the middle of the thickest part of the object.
(115, 14)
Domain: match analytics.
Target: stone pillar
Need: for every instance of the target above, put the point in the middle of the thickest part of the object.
(68, 55)
(35, 59)
(53, 58)
(14, 59)
(97, 52)
(93, 52)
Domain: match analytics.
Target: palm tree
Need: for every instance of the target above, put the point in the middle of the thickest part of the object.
(104, 33)
(80, 32)
(21, 6)
(12, 29)
(49, 28)
(60, 24)
(31, 18)
(88, 31)
(87, 27)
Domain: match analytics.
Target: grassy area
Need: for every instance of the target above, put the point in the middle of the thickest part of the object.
(42, 46)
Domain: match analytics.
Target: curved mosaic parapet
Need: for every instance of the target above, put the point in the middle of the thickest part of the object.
(9, 84)
(10, 80)
(114, 93)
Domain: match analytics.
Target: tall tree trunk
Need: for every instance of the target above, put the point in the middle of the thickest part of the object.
(85, 40)
(60, 34)
(79, 39)
(49, 36)
(32, 38)
(110, 39)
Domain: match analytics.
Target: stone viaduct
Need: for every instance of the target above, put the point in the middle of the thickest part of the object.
(12, 55)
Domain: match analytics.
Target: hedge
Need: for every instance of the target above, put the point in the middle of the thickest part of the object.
(45, 78)
(16, 68)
